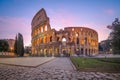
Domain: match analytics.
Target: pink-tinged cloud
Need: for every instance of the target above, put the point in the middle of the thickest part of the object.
(10, 26)
(103, 33)
(61, 18)
(110, 12)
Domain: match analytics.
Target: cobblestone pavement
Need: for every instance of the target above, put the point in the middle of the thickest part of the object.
(57, 69)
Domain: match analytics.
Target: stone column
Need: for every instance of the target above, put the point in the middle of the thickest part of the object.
(60, 50)
(53, 51)
(84, 50)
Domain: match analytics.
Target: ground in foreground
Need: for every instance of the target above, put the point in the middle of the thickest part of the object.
(55, 69)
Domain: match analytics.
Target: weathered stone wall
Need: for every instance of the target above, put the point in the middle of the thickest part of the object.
(67, 42)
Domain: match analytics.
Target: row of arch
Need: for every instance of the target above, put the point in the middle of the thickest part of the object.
(82, 41)
(84, 30)
(39, 30)
(57, 51)
(85, 51)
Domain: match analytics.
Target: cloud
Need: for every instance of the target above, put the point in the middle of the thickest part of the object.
(110, 11)
(10, 26)
(62, 18)
(103, 33)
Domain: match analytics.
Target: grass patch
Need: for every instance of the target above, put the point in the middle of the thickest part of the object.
(93, 64)
(111, 60)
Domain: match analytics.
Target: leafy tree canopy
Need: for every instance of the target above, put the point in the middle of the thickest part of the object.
(4, 46)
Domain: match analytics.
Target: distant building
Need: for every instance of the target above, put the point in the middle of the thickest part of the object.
(11, 43)
(70, 41)
(106, 46)
(28, 49)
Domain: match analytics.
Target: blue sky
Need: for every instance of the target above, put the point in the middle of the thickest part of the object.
(16, 15)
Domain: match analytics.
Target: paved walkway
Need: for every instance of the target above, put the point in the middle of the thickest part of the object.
(26, 61)
(56, 69)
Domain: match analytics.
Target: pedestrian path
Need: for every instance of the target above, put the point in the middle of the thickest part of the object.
(26, 61)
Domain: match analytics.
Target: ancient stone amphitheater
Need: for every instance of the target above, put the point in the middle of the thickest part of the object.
(71, 41)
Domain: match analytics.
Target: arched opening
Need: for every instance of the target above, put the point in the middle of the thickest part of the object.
(37, 31)
(57, 52)
(37, 41)
(65, 53)
(77, 34)
(63, 39)
(58, 38)
(41, 52)
(81, 29)
(45, 39)
(82, 51)
(45, 52)
(78, 51)
(45, 28)
(69, 39)
(41, 29)
(50, 38)
(50, 52)
(72, 29)
(69, 51)
(77, 41)
(91, 35)
(34, 32)
(41, 40)
(73, 40)
(85, 40)
(82, 41)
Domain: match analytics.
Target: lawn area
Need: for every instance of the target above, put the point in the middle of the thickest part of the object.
(112, 60)
(95, 64)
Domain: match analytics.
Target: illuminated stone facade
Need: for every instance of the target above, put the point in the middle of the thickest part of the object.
(67, 42)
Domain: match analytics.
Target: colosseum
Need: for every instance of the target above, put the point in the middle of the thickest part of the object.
(69, 41)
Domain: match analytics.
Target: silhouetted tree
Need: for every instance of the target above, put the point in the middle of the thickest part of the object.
(15, 46)
(19, 45)
(116, 39)
(115, 36)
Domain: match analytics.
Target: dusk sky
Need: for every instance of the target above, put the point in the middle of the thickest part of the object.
(16, 15)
